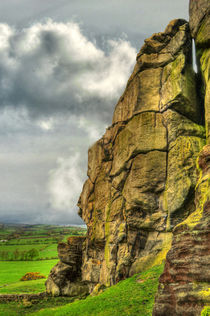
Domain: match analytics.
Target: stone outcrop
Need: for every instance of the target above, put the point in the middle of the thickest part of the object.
(184, 285)
(147, 192)
(142, 173)
(199, 10)
(65, 277)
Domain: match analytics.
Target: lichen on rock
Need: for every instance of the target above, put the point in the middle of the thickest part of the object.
(65, 276)
(142, 172)
(184, 284)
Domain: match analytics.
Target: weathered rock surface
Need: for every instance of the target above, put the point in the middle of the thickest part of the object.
(163, 76)
(184, 287)
(184, 284)
(142, 173)
(200, 29)
(198, 10)
(65, 277)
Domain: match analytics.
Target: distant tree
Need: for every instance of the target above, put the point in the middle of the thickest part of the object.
(32, 254)
(16, 254)
(23, 255)
(5, 255)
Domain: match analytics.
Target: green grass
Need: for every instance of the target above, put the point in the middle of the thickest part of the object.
(12, 248)
(44, 251)
(34, 286)
(26, 308)
(128, 297)
(49, 251)
(12, 271)
(206, 311)
(134, 296)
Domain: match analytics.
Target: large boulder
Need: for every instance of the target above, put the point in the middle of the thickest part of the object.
(65, 276)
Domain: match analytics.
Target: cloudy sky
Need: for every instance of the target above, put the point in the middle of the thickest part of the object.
(63, 66)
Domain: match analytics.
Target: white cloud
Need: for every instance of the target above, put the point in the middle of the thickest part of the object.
(94, 131)
(112, 73)
(46, 125)
(5, 33)
(65, 183)
(52, 67)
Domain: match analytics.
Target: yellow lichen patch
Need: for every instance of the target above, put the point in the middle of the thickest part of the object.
(181, 175)
(154, 259)
(165, 248)
(205, 293)
(203, 191)
(193, 219)
(107, 235)
(202, 36)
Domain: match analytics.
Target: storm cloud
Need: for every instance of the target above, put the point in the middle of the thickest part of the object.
(53, 68)
(57, 92)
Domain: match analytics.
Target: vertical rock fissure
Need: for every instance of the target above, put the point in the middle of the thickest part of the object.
(199, 82)
(194, 59)
(167, 219)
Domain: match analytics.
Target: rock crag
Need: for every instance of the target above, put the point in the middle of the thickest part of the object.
(147, 191)
(142, 173)
(184, 287)
(65, 276)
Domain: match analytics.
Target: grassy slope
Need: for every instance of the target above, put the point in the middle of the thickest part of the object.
(134, 296)
(17, 269)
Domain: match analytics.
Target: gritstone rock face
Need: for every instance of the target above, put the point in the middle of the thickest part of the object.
(184, 284)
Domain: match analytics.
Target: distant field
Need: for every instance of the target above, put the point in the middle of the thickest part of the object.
(32, 240)
(37, 231)
(15, 252)
(29, 248)
(12, 271)
(35, 242)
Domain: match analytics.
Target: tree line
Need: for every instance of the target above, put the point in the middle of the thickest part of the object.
(19, 255)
